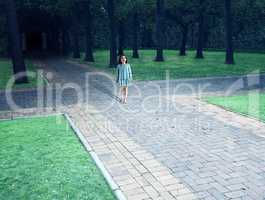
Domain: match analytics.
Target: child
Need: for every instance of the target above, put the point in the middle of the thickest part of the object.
(124, 76)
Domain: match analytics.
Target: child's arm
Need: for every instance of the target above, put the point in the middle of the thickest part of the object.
(117, 74)
(130, 72)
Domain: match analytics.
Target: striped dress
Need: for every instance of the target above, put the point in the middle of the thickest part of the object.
(124, 74)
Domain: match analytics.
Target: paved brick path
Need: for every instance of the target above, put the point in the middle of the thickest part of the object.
(209, 155)
(183, 149)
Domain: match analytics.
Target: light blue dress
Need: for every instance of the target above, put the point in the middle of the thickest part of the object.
(124, 74)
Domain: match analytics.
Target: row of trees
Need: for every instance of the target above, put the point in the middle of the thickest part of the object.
(134, 21)
(190, 12)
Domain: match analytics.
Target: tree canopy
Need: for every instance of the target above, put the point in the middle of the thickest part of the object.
(182, 22)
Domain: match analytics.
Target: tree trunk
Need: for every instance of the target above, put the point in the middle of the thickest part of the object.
(112, 26)
(49, 41)
(182, 51)
(147, 41)
(121, 38)
(65, 42)
(229, 59)
(17, 56)
(76, 48)
(76, 31)
(56, 43)
(89, 39)
(192, 36)
(135, 35)
(89, 46)
(199, 53)
(159, 30)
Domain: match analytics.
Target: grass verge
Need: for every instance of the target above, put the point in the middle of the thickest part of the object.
(251, 104)
(41, 158)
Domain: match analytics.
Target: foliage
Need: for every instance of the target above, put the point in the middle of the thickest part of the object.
(248, 16)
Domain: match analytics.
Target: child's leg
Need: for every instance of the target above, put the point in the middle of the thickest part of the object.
(121, 93)
(125, 93)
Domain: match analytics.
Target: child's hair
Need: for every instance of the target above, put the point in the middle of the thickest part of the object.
(121, 57)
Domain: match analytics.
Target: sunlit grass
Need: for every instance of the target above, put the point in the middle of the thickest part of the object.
(41, 158)
(251, 104)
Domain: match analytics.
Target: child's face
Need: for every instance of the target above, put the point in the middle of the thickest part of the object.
(123, 59)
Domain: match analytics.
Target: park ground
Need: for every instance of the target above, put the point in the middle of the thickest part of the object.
(187, 148)
(145, 68)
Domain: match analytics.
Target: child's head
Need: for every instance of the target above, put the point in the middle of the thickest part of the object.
(123, 59)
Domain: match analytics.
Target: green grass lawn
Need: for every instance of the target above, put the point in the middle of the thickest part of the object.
(6, 73)
(41, 158)
(146, 68)
(252, 104)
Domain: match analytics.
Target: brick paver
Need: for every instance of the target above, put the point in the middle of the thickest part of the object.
(211, 156)
(135, 170)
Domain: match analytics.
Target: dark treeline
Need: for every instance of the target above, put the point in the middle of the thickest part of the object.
(72, 26)
(181, 17)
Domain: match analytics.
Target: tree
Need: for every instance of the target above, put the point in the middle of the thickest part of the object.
(199, 52)
(65, 41)
(135, 35)
(88, 32)
(182, 14)
(65, 10)
(128, 12)
(121, 37)
(229, 58)
(125, 8)
(184, 31)
(76, 30)
(113, 34)
(19, 67)
(159, 30)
